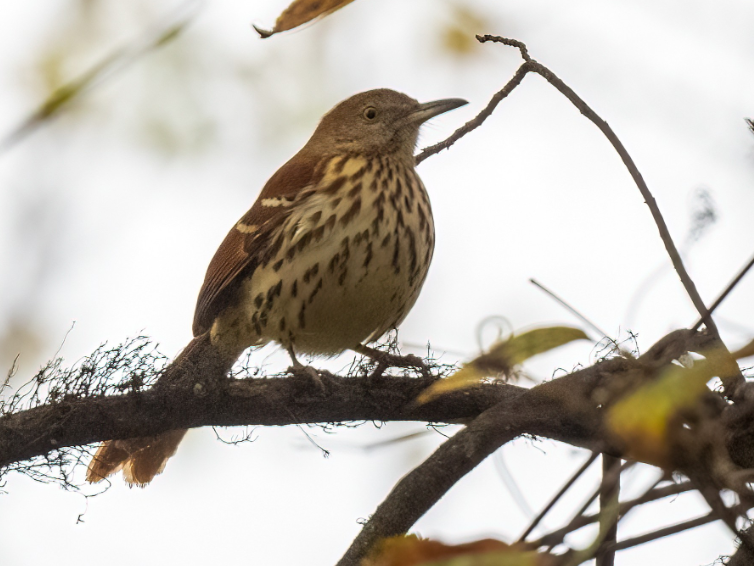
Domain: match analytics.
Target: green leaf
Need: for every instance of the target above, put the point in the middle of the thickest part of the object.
(503, 356)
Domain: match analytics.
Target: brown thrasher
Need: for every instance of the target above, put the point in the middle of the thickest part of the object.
(331, 255)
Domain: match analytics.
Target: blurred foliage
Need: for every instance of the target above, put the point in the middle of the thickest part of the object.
(503, 357)
(64, 71)
(647, 420)
(188, 89)
(61, 96)
(458, 36)
(19, 335)
(180, 95)
(704, 215)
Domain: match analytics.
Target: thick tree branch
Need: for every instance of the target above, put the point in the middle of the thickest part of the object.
(192, 393)
(260, 401)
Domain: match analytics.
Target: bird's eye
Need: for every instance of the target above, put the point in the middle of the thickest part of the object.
(370, 113)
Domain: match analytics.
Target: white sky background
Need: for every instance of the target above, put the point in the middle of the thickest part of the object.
(103, 229)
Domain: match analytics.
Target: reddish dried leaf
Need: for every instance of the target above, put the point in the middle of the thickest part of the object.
(410, 550)
(302, 11)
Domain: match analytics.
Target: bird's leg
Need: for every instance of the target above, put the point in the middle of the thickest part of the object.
(386, 360)
(298, 367)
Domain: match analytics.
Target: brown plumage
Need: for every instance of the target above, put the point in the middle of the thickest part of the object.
(332, 254)
(141, 459)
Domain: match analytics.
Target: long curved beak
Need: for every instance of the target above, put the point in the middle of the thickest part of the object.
(429, 110)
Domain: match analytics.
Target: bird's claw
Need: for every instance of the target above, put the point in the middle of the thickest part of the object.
(311, 373)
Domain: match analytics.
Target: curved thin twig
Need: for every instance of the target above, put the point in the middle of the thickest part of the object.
(477, 121)
(558, 495)
(736, 280)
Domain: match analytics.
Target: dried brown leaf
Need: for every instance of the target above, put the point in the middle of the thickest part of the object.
(411, 550)
(302, 11)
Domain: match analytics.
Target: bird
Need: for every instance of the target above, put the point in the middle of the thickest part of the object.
(331, 256)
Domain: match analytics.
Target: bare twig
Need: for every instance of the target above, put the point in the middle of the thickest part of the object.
(556, 537)
(728, 515)
(566, 399)
(572, 480)
(484, 114)
(476, 121)
(569, 308)
(610, 513)
(609, 477)
(633, 170)
(711, 517)
(725, 293)
(609, 497)
(666, 531)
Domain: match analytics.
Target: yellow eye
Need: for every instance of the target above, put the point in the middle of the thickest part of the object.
(370, 113)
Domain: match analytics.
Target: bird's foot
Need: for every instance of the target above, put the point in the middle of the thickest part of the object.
(310, 373)
(307, 371)
(387, 360)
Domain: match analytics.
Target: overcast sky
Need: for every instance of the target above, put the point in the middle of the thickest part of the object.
(113, 211)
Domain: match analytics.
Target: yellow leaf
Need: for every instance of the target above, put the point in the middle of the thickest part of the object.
(642, 420)
(302, 11)
(459, 36)
(411, 550)
(503, 356)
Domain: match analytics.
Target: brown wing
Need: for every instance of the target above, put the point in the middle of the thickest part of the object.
(249, 242)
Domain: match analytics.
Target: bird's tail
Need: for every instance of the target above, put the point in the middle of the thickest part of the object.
(141, 459)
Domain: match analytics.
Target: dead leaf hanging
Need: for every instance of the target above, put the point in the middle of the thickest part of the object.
(300, 12)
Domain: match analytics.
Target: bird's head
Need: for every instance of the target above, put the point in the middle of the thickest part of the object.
(380, 121)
